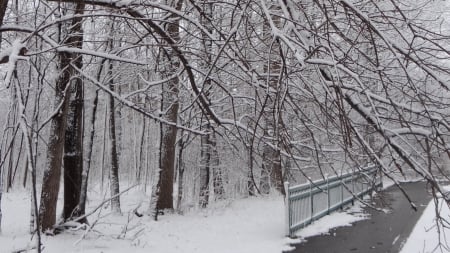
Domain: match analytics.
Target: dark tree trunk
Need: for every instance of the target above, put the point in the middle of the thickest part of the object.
(141, 152)
(168, 147)
(180, 172)
(3, 6)
(169, 105)
(52, 172)
(114, 171)
(251, 185)
(1, 192)
(73, 156)
(205, 169)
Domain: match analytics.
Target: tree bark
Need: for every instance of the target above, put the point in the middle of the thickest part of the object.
(1, 192)
(3, 7)
(58, 124)
(205, 169)
(181, 167)
(141, 151)
(52, 172)
(167, 147)
(169, 105)
(86, 169)
(218, 177)
(73, 156)
(114, 171)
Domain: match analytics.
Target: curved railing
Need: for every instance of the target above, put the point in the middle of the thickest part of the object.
(311, 201)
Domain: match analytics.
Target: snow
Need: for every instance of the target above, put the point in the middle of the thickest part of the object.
(246, 225)
(425, 237)
(243, 226)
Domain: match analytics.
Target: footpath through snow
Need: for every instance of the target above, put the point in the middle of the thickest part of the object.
(384, 232)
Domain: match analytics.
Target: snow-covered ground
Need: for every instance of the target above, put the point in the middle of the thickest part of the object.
(425, 237)
(242, 226)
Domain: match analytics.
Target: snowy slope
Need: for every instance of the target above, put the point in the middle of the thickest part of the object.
(248, 225)
(243, 226)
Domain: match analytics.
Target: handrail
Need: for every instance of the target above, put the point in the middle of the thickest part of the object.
(310, 201)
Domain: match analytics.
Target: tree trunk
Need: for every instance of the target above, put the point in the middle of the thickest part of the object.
(52, 172)
(114, 172)
(73, 156)
(11, 148)
(87, 168)
(218, 180)
(181, 167)
(3, 7)
(141, 152)
(1, 191)
(205, 169)
(103, 151)
(168, 147)
(251, 186)
(169, 105)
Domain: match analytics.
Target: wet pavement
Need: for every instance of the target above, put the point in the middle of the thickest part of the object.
(382, 233)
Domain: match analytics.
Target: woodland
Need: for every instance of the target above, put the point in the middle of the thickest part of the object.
(195, 102)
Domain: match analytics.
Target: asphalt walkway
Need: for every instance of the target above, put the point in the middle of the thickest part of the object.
(382, 233)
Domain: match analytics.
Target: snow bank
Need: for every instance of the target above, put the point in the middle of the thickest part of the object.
(425, 237)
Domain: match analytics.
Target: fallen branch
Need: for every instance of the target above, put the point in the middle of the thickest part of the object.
(68, 223)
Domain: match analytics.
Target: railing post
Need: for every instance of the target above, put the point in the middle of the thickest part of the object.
(342, 192)
(353, 188)
(328, 195)
(311, 201)
(287, 209)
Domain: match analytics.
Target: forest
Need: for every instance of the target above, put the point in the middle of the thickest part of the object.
(196, 102)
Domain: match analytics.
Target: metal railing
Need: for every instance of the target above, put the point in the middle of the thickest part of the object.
(310, 201)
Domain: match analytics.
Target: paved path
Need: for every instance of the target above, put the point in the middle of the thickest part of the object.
(382, 233)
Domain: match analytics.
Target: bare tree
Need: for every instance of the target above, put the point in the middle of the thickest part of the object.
(114, 156)
(205, 143)
(169, 108)
(58, 123)
(271, 165)
(73, 147)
